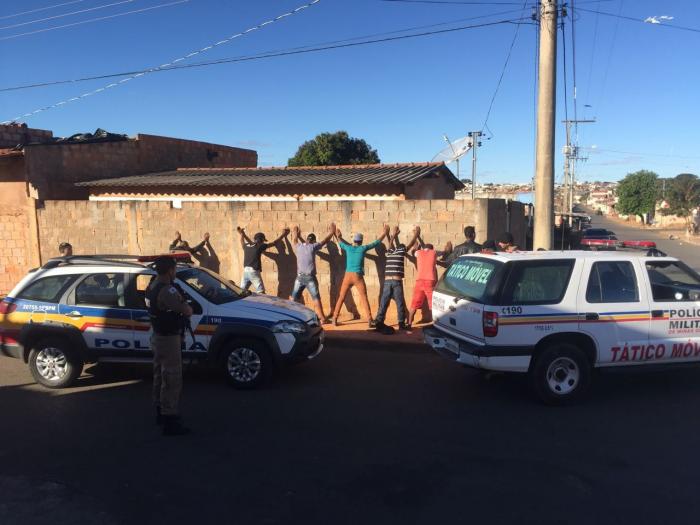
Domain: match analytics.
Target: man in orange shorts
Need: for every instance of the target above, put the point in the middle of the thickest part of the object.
(426, 278)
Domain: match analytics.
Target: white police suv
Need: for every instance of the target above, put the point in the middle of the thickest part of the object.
(556, 315)
(79, 310)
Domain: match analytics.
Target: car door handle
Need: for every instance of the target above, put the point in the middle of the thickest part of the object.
(74, 313)
(657, 313)
(592, 316)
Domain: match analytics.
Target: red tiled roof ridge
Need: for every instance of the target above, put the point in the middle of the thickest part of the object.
(340, 166)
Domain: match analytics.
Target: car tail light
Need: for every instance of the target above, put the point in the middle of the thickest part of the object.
(7, 307)
(490, 321)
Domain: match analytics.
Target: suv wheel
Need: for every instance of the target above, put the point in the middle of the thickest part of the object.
(53, 365)
(560, 374)
(247, 363)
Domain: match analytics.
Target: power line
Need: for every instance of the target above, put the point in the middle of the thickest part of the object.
(590, 68)
(643, 21)
(503, 71)
(573, 66)
(452, 2)
(168, 64)
(260, 56)
(40, 9)
(67, 14)
(89, 20)
(610, 55)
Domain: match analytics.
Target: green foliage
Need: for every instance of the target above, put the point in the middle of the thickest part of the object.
(683, 196)
(334, 149)
(637, 193)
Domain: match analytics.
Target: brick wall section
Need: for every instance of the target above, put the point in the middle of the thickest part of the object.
(54, 168)
(148, 227)
(12, 135)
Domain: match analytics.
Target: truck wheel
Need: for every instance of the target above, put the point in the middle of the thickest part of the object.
(247, 363)
(53, 365)
(561, 374)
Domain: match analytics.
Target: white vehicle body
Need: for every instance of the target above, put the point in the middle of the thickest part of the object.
(619, 308)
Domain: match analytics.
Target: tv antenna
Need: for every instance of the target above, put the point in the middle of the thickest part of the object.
(457, 149)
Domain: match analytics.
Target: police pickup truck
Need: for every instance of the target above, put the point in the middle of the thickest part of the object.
(79, 310)
(557, 315)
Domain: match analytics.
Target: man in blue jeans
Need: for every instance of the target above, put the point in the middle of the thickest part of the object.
(252, 252)
(306, 268)
(393, 280)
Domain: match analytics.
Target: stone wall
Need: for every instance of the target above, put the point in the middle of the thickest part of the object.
(148, 227)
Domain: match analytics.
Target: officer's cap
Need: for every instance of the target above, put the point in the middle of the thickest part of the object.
(163, 264)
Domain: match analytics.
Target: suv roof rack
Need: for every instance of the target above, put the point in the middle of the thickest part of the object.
(129, 261)
(614, 244)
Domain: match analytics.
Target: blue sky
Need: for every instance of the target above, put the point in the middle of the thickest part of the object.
(640, 80)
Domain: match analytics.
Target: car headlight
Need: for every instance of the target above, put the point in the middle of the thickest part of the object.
(289, 327)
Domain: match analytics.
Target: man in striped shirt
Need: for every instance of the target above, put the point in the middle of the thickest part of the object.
(393, 280)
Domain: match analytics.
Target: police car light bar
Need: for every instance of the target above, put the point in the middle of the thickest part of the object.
(613, 243)
(178, 256)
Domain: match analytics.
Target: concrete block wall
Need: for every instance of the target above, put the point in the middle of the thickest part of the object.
(12, 135)
(54, 168)
(15, 247)
(148, 227)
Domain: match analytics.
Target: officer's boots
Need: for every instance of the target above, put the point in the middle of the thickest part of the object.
(172, 426)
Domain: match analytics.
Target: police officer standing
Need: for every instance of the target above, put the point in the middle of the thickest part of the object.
(168, 312)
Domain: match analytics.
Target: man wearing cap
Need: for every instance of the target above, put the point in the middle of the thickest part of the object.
(306, 267)
(506, 243)
(252, 252)
(355, 271)
(167, 309)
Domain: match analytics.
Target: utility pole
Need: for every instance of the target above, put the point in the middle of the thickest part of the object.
(475, 135)
(546, 109)
(571, 156)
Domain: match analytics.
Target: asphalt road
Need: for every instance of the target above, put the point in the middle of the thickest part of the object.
(364, 434)
(687, 252)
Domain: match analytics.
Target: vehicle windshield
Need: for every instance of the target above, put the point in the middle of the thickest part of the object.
(468, 278)
(211, 286)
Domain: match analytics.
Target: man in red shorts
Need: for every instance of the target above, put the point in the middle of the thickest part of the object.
(426, 278)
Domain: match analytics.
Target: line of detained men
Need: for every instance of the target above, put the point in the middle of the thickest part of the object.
(423, 255)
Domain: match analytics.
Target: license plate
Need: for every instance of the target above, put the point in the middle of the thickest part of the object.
(438, 303)
(452, 346)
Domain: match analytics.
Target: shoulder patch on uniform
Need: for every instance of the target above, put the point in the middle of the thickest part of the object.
(172, 290)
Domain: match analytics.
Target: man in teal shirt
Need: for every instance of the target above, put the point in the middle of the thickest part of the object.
(355, 272)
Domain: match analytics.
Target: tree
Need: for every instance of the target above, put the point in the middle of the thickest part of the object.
(334, 149)
(683, 196)
(637, 194)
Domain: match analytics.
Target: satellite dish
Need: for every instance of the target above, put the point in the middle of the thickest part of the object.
(454, 151)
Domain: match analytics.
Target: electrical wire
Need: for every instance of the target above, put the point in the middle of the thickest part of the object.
(261, 56)
(451, 2)
(46, 19)
(168, 64)
(90, 20)
(503, 70)
(610, 53)
(573, 69)
(590, 68)
(643, 21)
(5, 17)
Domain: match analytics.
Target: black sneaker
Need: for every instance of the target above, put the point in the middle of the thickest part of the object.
(374, 324)
(404, 326)
(385, 329)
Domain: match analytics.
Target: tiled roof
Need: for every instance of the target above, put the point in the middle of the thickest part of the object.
(285, 176)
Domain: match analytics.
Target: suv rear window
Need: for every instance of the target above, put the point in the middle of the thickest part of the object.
(469, 278)
(48, 289)
(538, 282)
